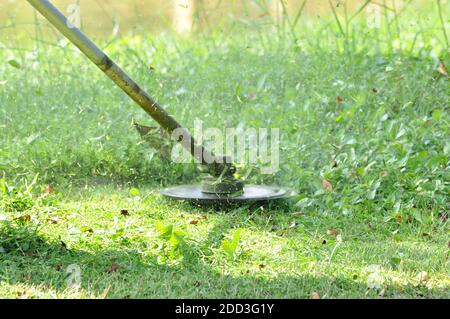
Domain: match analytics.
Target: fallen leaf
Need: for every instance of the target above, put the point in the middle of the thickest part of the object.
(193, 222)
(27, 277)
(47, 286)
(14, 64)
(252, 97)
(339, 100)
(315, 295)
(30, 253)
(327, 185)
(124, 212)
(332, 232)
(442, 70)
(22, 295)
(53, 220)
(262, 15)
(49, 189)
(422, 277)
(24, 218)
(205, 217)
(114, 267)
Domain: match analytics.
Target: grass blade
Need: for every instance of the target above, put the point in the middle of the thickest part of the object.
(359, 10)
(299, 14)
(337, 18)
(442, 22)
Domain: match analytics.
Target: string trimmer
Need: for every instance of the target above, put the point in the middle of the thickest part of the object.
(221, 186)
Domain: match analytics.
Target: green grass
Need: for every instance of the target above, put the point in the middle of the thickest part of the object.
(384, 149)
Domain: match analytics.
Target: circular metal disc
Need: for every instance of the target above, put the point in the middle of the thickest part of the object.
(252, 193)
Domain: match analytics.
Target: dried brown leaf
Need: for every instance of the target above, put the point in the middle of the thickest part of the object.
(114, 267)
(327, 185)
(22, 295)
(442, 70)
(24, 218)
(332, 232)
(252, 97)
(49, 189)
(315, 295)
(53, 220)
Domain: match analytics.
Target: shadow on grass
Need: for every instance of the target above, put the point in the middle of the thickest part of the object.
(31, 260)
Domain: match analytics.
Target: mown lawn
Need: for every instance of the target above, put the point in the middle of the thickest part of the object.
(364, 142)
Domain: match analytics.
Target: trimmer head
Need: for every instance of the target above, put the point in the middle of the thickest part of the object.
(250, 194)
